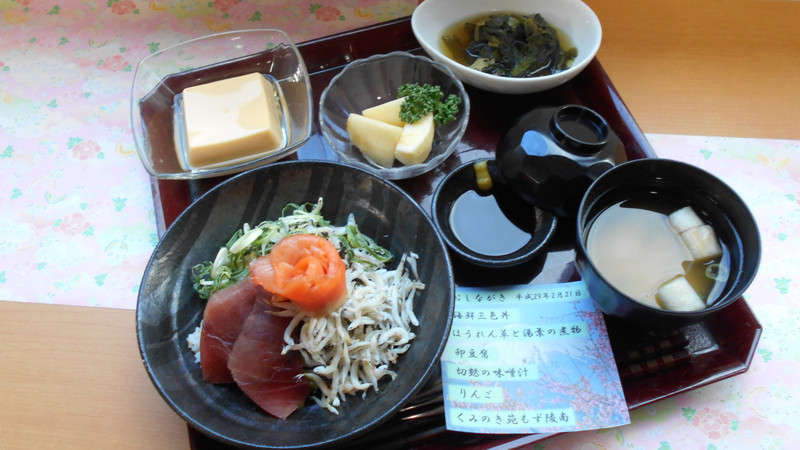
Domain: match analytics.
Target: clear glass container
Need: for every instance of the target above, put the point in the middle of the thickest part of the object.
(368, 82)
(161, 77)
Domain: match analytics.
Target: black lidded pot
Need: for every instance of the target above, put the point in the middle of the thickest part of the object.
(551, 155)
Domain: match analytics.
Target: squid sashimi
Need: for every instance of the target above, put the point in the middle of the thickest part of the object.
(223, 318)
(305, 269)
(272, 380)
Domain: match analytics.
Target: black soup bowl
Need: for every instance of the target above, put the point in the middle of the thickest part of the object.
(529, 228)
(168, 308)
(673, 184)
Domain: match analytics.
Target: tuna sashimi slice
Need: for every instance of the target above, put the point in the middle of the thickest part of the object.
(225, 313)
(266, 376)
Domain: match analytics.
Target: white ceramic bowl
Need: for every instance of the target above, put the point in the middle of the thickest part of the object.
(432, 17)
(161, 76)
(367, 82)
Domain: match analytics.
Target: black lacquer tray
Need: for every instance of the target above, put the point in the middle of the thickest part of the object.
(651, 368)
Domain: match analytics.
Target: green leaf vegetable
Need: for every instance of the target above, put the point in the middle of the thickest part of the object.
(421, 100)
(232, 262)
(511, 45)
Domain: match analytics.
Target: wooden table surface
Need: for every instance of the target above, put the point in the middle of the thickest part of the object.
(72, 376)
(708, 68)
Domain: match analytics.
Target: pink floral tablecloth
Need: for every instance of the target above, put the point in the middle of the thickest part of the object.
(77, 224)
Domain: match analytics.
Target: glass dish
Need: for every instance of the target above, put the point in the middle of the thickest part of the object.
(368, 82)
(162, 76)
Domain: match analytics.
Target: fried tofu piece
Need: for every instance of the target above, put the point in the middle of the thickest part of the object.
(702, 242)
(685, 219)
(678, 295)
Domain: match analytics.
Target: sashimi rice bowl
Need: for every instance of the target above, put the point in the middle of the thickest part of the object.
(298, 307)
(313, 303)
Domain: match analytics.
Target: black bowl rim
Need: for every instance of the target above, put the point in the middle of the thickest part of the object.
(380, 419)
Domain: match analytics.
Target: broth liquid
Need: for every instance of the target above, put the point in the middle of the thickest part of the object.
(462, 33)
(637, 250)
(479, 222)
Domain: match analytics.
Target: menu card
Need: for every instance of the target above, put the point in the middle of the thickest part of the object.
(530, 359)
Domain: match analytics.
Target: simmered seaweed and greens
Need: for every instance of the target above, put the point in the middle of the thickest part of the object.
(509, 45)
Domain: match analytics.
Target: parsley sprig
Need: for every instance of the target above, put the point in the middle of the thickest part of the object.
(421, 100)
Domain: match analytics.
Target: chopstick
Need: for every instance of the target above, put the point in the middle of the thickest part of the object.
(667, 344)
(654, 356)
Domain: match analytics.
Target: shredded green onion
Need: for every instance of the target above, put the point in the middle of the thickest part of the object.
(232, 261)
(716, 271)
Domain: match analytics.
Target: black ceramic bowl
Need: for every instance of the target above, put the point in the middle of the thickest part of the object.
(680, 184)
(168, 308)
(539, 226)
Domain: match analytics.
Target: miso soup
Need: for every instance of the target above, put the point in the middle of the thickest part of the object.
(634, 247)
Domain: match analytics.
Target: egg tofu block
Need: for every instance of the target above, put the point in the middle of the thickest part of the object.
(231, 120)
